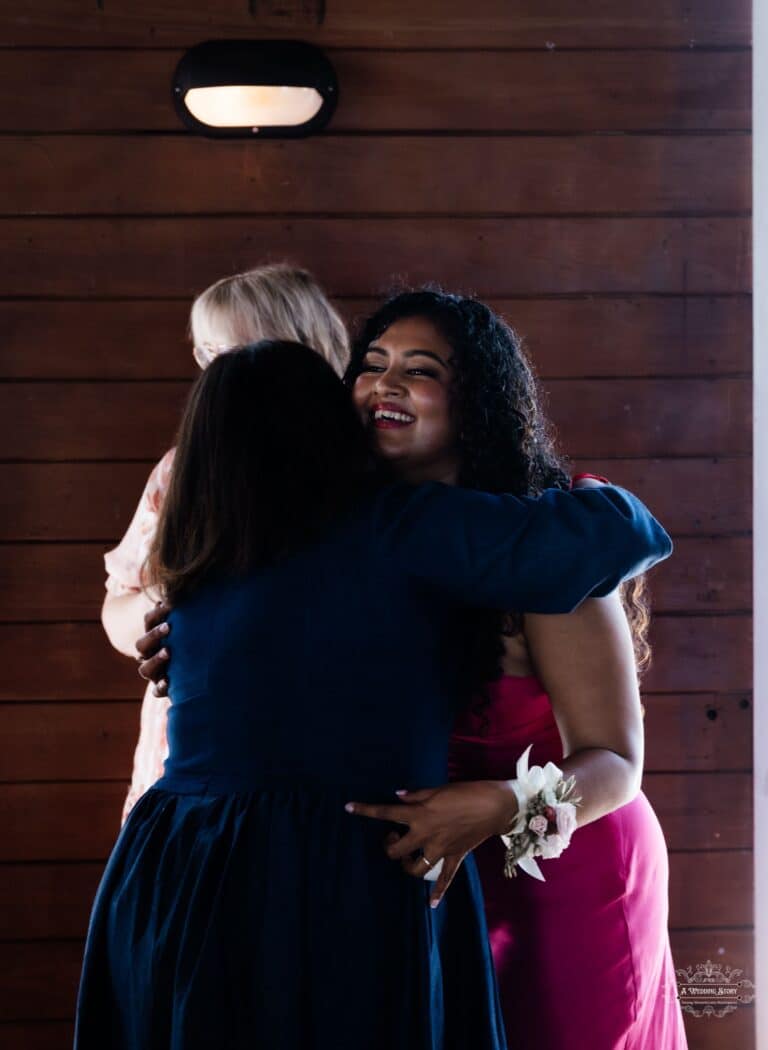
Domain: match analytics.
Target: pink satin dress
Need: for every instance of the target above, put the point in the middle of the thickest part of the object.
(583, 960)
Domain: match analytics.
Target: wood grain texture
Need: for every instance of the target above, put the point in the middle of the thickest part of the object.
(41, 978)
(65, 661)
(70, 741)
(735, 1030)
(67, 740)
(81, 502)
(636, 418)
(358, 257)
(79, 820)
(390, 24)
(705, 575)
(62, 175)
(724, 946)
(710, 889)
(52, 581)
(53, 901)
(60, 821)
(689, 496)
(69, 501)
(73, 661)
(692, 654)
(41, 982)
(594, 186)
(42, 581)
(695, 809)
(578, 338)
(700, 653)
(394, 91)
(698, 731)
(37, 1035)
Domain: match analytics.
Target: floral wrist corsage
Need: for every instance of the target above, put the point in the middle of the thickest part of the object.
(546, 817)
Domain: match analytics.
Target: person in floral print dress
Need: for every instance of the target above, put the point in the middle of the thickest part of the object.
(277, 301)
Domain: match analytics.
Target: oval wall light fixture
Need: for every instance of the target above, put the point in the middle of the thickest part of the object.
(269, 88)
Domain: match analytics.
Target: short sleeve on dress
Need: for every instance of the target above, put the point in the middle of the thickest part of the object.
(123, 563)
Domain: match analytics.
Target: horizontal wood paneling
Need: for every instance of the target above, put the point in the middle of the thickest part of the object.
(72, 661)
(396, 91)
(564, 337)
(66, 581)
(705, 575)
(710, 889)
(69, 501)
(51, 901)
(725, 947)
(162, 257)
(65, 661)
(700, 653)
(634, 418)
(42, 979)
(61, 821)
(735, 1030)
(80, 820)
(698, 731)
(37, 1035)
(95, 501)
(65, 175)
(642, 418)
(700, 810)
(91, 421)
(689, 496)
(64, 740)
(54, 900)
(391, 23)
(52, 581)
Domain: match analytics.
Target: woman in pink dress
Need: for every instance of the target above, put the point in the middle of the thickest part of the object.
(271, 302)
(583, 958)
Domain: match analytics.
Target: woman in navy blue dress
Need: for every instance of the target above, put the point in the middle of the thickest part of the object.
(315, 659)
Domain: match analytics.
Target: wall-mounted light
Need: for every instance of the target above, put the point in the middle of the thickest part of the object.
(270, 88)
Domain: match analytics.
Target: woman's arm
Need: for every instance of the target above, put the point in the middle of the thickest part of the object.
(544, 554)
(586, 663)
(585, 660)
(122, 614)
(122, 617)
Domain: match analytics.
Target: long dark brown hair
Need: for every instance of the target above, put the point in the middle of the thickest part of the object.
(270, 451)
(506, 442)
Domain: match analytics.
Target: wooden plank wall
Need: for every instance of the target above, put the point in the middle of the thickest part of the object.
(585, 167)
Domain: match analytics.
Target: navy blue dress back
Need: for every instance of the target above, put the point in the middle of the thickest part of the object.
(241, 905)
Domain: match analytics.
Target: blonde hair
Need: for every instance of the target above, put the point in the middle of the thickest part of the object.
(277, 301)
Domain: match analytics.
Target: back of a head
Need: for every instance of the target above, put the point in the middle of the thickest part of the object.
(269, 451)
(276, 301)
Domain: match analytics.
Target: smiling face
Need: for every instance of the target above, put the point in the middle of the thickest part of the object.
(403, 394)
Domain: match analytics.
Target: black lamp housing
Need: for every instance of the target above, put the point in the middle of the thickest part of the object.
(264, 63)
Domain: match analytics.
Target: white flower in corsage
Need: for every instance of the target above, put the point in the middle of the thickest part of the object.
(546, 817)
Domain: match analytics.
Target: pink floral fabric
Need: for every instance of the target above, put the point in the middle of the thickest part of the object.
(123, 565)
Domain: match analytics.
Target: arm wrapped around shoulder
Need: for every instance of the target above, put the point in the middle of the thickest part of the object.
(543, 555)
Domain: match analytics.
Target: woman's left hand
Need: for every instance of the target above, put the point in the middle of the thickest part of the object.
(444, 822)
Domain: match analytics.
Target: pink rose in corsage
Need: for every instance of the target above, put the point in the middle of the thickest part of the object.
(538, 824)
(546, 817)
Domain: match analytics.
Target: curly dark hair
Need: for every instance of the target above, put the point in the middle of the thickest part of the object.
(506, 442)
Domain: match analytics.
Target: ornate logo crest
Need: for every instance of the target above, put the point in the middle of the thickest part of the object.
(711, 990)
